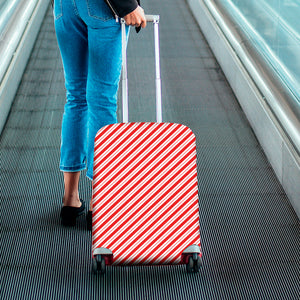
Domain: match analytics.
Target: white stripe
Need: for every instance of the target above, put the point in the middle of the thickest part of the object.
(177, 235)
(110, 169)
(162, 216)
(122, 151)
(176, 238)
(136, 219)
(128, 138)
(125, 137)
(157, 183)
(156, 187)
(173, 242)
(154, 232)
(101, 138)
(146, 243)
(189, 242)
(182, 187)
(145, 195)
(166, 211)
(141, 170)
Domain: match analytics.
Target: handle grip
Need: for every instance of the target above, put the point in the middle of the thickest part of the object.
(152, 18)
(149, 18)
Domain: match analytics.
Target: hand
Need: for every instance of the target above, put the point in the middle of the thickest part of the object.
(136, 18)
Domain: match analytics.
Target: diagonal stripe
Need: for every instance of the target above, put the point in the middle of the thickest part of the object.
(161, 197)
(178, 218)
(176, 239)
(171, 179)
(137, 153)
(134, 160)
(147, 247)
(149, 207)
(157, 215)
(167, 256)
(145, 192)
(117, 226)
(105, 169)
(145, 178)
(165, 250)
(107, 136)
(122, 139)
(146, 166)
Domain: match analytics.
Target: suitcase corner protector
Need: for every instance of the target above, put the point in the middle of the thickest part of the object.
(102, 251)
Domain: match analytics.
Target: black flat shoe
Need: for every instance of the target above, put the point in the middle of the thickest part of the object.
(69, 214)
(89, 220)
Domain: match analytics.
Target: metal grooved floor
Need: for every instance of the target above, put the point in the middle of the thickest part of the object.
(250, 233)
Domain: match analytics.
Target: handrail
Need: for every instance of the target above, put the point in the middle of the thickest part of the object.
(7, 10)
(280, 99)
(13, 33)
(19, 29)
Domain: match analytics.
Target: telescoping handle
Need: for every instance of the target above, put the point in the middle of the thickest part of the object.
(155, 20)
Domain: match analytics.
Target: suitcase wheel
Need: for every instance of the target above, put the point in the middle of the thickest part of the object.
(194, 263)
(98, 264)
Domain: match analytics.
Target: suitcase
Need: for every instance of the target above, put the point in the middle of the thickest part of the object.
(145, 191)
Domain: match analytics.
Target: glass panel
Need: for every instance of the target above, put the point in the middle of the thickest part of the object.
(7, 8)
(273, 26)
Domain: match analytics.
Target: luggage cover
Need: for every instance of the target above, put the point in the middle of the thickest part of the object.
(145, 192)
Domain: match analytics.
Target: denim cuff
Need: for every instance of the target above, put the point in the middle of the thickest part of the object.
(73, 169)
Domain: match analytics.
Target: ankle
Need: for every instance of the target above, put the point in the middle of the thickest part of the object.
(71, 201)
(91, 205)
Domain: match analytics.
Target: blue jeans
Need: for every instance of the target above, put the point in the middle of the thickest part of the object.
(89, 40)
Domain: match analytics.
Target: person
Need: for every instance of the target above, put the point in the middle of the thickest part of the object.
(90, 44)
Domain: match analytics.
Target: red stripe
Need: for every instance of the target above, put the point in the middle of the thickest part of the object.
(117, 234)
(182, 246)
(132, 208)
(146, 184)
(117, 140)
(168, 250)
(145, 242)
(177, 249)
(143, 183)
(159, 200)
(116, 128)
(120, 183)
(118, 146)
(164, 159)
(130, 162)
(134, 204)
(143, 234)
(113, 153)
(104, 130)
(154, 195)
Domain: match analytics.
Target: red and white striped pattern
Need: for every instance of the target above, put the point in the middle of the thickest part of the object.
(145, 193)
